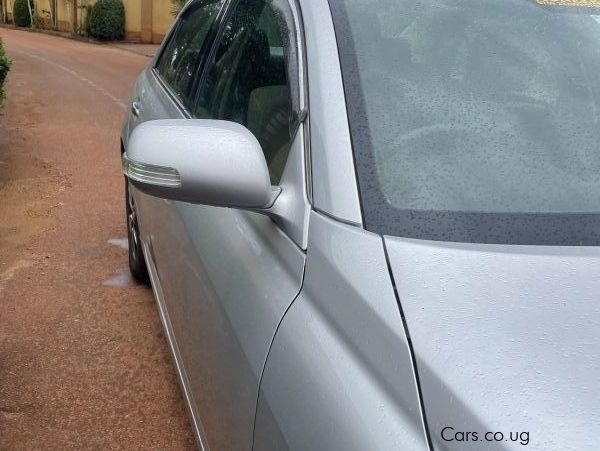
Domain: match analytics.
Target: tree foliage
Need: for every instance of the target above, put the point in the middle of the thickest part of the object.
(21, 15)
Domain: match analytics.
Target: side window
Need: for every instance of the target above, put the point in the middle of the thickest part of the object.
(180, 58)
(252, 77)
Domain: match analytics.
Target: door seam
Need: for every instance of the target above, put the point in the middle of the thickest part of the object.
(269, 351)
(410, 349)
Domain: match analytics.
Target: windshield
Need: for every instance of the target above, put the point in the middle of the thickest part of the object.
(475, 121)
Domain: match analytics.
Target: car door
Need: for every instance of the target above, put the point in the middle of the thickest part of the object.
(164, 89)
(225, 277)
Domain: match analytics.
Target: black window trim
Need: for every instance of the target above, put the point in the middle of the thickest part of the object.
(170, 93)
(202, 58)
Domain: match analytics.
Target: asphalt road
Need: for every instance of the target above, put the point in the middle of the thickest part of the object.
(83, 361)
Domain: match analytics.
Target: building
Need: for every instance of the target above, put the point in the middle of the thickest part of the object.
(145, 20)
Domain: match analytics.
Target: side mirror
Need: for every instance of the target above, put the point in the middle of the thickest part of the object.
(199, 161)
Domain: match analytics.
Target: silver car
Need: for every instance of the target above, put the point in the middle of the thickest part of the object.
(374, 224)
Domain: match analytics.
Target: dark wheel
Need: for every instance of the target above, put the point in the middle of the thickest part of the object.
(137, 264)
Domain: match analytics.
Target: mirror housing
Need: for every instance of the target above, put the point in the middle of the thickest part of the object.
(200, 161)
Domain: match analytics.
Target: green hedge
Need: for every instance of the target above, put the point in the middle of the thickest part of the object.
(4, 67)
(86, 20)
(107, 20)
(21, 13)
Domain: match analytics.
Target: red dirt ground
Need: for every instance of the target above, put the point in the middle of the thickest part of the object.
(83, 361)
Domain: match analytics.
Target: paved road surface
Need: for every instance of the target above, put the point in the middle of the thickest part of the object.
(83, 361)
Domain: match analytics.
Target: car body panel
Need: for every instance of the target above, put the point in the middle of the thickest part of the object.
(505, 339)
(227, 276)
(339, 374)
(184, 382)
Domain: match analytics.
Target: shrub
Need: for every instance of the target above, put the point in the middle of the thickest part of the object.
(21, 15)
(4, 67)
(107, 20)
(86, 21)
(43, 19)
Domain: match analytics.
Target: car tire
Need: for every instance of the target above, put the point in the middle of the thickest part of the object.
(137, 263)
